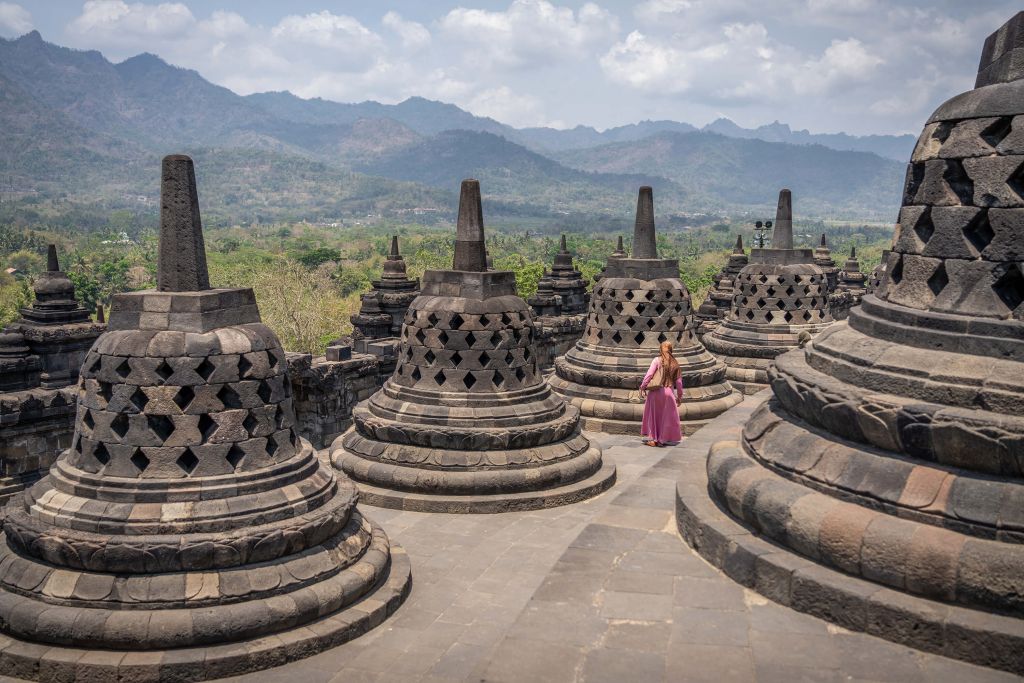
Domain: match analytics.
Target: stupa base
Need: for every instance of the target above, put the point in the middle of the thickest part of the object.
(56, 664)
(597, 483)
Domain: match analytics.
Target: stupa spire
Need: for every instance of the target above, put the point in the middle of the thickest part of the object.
(823, 242)
(470, 254)
(563, 248)
(782, 235)
(644, 245)
(620, 249)
(738, 249)
(52, 264)
(181, 260)
(394, 248)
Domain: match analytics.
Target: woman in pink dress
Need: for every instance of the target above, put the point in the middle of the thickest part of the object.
(661, 417)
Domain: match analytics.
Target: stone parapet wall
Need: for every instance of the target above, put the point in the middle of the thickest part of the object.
(324, 392)
(555, 335)
(37, 425)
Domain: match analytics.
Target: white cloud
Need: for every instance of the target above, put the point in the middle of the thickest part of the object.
(530, 33)
(414, 35)
(120, 22)
(516, 109)
(15, 20)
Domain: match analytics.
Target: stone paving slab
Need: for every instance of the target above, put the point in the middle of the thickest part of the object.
(603, 590)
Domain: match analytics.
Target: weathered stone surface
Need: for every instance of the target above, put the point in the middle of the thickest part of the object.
(466, 422)
(719, 299)
(186, 504)
(637, 304)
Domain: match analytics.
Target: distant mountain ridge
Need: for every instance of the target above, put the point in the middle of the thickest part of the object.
(77, 124)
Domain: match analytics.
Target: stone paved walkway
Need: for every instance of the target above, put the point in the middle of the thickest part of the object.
(599, 591)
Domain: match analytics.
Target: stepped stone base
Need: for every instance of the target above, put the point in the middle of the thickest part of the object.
(35, 662)
(804, 585)
(598, 482)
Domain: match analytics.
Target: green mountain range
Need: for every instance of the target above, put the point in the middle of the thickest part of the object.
(78, 127)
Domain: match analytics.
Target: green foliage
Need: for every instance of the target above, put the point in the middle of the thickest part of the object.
(316, 257)
(14, 295)
(28, 262)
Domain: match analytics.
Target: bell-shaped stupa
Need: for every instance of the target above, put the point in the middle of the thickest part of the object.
(188, 532)
(466, 423)
(883, 482)
(383, 308)
(719, 299)
(639, 303)
(850, 279)
(780, 298)
(823, 259)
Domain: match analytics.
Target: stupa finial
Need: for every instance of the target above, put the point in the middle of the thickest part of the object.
(782, 235)
(181, 260)
(470, 254)
(644, 243)
(738, 249)
(394, 248)
(52, 264)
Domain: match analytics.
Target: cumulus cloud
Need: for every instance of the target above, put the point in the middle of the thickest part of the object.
(120, 22)
(530, 33)
(414, 35)
(15, 20)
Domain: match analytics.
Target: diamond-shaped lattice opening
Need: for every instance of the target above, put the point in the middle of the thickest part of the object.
(769, 316)
(483, 321)
(629, 295)
(140, 460)
(787, 316)
(272, 359)
(139, 399)
(797, 279)
(670, 323)
(651, 323)
(662, 338)
(183, 397)
(789, 291)
(807, 316)
(630, 321)
(442, 337)
(432, 319)
(938, 281)
(456, 359)
(244, 366)
(600, 335)
(271, 446)
(87, 420)
(495, 339)
(485, 359)
(638, 338)
(770, 291)
(505, 320)
(640, 308)
(609, 321)
(750, 315)
(420, 337)
(164, 371)
(1010, 288)
(101, 454)
(251, 424)
(161, 425)
(235, 456)
(94, 366)
(229, 397)
(429, 357)
(520, 374)
(207, 426)
(814, 303)
(469, 380)
(119, 425)
(206, 369)
(997, 131)
(499, 380)
(123, 369)
(509, 358)
(456, 322)
(761, 303)
(439, 377)
(187, 461)
(762, 278)
(618, 307)
(780, 304)
(924, 228)
(416, 376)
(470, 339)
(616, 337)
(265, 392)
(896, 275)
(979, 232)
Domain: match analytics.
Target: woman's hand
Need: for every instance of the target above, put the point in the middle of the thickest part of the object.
(679, 400)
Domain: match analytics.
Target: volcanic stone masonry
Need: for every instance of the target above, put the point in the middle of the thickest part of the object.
(884, 481)
(559, 307)
(379, 321)
(188, 533)
(877, 273)
(40, 355)
(639, 303)
(719, 299)
(781, 299)
(466, 423)
(620, 252)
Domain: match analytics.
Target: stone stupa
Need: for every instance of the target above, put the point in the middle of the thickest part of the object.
(877, 273)
(850, 279)
(57, 329)
(823, 259)
(719, 299)
(383, 308)
(188, 533)
(780, 296)
(886, 475)
(466, 423)
(620, 252)
(639, 303)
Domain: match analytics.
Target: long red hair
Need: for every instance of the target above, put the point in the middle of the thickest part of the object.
(669, 365)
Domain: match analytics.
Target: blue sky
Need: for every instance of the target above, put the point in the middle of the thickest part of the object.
(860, 66)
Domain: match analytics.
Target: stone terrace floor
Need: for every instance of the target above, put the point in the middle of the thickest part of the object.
(603, 590)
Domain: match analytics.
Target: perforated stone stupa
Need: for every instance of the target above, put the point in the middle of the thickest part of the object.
(886, 472)
(779, 296)
(565, 282)
(188, 533)
(382, 309)
(823, 259)
(850, 279)
(466, 423)
(638, 304)
(719, 299)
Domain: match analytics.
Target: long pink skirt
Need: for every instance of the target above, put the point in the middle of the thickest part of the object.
(661, 416)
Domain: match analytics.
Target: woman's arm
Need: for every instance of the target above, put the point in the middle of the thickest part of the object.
(650, 373)
(679, 388)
